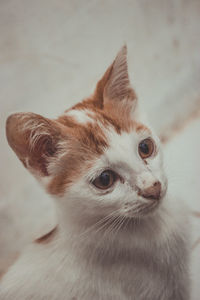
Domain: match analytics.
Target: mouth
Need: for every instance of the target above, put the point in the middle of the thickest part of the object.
(143, 209)
(146, 209)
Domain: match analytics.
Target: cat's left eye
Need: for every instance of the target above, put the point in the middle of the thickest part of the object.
(146, 148)
(105, 180)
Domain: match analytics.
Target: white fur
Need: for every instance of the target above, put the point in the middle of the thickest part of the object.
(81, 116)
(63, 270)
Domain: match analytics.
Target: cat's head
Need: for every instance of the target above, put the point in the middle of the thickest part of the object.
(98, 157)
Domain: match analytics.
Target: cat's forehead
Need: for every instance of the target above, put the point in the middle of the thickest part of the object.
(88, 123)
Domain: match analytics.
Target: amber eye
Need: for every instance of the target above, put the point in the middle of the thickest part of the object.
(105, 180)
(146, 148)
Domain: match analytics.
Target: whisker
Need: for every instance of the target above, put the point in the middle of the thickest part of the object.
(109, 224)
(102, 221)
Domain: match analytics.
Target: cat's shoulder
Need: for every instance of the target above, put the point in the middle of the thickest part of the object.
(33, 272)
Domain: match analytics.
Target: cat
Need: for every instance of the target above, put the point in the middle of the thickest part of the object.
(120, 233)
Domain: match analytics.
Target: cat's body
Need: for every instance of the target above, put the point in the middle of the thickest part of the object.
(144, 263)
(141, 263)
(120, 235)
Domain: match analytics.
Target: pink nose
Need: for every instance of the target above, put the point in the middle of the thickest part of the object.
(152, 192)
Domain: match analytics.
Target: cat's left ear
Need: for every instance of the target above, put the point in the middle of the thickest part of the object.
(35, 140)
(114, 88)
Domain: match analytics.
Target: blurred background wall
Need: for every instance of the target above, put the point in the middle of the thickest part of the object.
(52, 52)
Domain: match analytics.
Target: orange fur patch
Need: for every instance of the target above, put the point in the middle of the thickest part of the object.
(142, 127)
(113, 116)
(85, 143)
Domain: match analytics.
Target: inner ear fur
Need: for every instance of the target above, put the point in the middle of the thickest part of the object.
(114, 88)
(34, 139)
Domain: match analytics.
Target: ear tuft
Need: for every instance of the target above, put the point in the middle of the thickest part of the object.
(114, 87)
(33, 138)
(118, 83)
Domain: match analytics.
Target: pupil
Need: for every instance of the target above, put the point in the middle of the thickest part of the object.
(144, 148)
(105, 178)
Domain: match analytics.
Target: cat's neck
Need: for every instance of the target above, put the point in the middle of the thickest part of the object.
(111, 236)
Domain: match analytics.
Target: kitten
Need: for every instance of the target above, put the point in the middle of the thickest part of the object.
(120, 234)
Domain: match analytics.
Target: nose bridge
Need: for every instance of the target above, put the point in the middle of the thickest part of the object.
(145, 180)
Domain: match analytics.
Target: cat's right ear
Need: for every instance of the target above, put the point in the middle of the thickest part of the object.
(114, 90)
(34, 139)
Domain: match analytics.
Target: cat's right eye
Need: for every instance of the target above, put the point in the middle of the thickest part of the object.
(146, 148)
(105, 180)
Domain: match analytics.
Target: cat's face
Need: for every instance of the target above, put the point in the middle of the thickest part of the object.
(98, 157)
(127, 178)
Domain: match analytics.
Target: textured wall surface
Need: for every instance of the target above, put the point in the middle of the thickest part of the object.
(52, 52)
